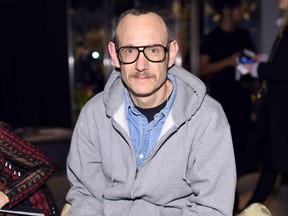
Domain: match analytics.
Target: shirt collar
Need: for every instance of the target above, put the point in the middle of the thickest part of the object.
(130, 105)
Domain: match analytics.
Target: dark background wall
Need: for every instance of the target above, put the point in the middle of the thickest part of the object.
(34, 78)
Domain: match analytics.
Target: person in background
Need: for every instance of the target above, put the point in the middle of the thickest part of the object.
(23, 174)
(270, 137)
(219, 52)
(153, 142)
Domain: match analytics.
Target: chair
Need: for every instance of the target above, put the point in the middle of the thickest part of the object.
(255, 209)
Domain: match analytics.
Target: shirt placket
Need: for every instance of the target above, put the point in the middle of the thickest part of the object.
(142, 154)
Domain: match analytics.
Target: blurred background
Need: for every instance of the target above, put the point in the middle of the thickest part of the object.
(54, 58)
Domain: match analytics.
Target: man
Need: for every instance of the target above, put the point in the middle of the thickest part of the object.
(219, 53)
(153, 143)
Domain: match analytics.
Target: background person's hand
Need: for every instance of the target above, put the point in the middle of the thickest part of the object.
(249, 67)
(233, 59)
(253, 69)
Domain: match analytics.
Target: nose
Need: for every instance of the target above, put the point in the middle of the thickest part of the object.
(142, 63)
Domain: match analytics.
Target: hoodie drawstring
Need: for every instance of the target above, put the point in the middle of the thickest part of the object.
(187, 155)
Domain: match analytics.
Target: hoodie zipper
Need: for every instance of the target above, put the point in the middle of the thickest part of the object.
(132, 196)
(150, 157)
(136, 174)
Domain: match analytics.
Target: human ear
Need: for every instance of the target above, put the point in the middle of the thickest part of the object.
(173, 50)
(113, 54)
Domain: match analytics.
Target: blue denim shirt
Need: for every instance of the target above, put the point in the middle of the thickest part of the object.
(144, 134)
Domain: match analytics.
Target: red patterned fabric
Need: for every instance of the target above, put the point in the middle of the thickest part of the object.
(24, 170)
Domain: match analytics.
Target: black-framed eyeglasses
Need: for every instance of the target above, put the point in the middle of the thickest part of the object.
(154, 53)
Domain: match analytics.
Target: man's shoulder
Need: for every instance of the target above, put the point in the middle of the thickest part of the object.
(95, 102)
(212, 107)
(211, 103)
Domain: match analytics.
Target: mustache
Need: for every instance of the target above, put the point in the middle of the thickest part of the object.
(142, 74)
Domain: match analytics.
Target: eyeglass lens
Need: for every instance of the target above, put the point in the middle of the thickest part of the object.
(129, 54)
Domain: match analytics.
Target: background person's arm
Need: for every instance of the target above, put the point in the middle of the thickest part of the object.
(207, 67)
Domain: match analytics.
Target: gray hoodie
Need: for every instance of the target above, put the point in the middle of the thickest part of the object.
(190, 171)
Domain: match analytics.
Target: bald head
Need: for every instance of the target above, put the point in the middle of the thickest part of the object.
(142, 14)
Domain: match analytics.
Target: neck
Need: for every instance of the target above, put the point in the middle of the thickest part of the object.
(227, 25)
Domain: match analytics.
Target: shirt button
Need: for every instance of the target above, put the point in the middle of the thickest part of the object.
(141, 156)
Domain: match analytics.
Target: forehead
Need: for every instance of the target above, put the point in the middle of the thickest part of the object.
(142, 30)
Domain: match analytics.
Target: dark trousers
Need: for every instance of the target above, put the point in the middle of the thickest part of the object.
(265, 184)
